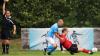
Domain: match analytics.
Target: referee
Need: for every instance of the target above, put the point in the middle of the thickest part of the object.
(7, 27)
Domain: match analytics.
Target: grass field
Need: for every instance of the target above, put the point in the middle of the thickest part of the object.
(16, 50)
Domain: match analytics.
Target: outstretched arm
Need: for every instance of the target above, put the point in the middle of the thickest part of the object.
(62, 40)
(3, 8)
(57, 35)
(78, 34)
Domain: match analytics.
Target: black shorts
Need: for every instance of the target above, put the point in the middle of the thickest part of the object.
(5, 35)
(73, 48)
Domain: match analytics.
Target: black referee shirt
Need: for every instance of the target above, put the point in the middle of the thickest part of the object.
(7, 24)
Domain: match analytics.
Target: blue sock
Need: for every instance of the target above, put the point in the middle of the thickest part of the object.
(51, 49)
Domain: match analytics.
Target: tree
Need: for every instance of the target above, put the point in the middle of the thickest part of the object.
(43, 13)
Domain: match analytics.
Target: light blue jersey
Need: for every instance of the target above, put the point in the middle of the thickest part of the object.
(53, 29)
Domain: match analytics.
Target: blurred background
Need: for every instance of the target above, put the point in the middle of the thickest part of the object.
(43, 13)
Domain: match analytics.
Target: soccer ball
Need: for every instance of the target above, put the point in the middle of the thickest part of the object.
(94, 49)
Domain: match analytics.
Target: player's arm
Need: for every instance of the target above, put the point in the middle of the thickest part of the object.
(3, 7)
(13, 26)
(78, 34)
(62, 40)
(57, 35)
(14, 29)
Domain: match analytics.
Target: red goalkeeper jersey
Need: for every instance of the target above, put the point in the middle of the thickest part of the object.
(65, 42)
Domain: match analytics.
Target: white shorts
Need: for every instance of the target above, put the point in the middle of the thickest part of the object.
(51, 40)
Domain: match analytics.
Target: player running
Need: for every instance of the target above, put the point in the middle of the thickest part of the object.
(67, 44)
(7, 27)
(50, 36)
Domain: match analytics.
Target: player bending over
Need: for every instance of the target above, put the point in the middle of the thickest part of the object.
(52, 45)
(67, 44)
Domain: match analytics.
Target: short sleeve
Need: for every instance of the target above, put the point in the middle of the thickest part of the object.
(3, 16)
(55, 29)
(11, 22)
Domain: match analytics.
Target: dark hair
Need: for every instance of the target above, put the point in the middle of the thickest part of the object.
(7, 9)
(64, 29)
(6, 12)
(59, 17)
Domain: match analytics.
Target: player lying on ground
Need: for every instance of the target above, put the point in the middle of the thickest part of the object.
(67, 44)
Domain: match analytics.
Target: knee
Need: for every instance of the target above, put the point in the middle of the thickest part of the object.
(80, 49)
(55, 45)
(3, 42)
(6, 42)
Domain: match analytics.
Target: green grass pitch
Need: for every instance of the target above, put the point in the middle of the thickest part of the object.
(16, 50)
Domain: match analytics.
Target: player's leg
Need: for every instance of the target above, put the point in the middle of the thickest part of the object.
(70, 51)
(52, 46)
(85, 50)
(7, 43)
(61, 47)
(74, 49)
(77, 42)
(3, 43)
(74, 40)
(3, 46)
(45, 44)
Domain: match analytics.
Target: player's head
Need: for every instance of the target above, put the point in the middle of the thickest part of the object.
(64, 30)
(60, 22)
(74, 31)
(7, 13)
